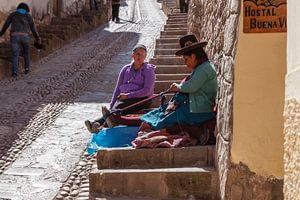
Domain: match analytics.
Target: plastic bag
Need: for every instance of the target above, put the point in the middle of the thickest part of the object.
(119, 136)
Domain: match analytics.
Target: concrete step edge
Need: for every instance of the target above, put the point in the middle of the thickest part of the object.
(158, 170)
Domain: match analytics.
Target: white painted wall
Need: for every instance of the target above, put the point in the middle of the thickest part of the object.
(37, 5)
(41, 8)
(293, 51)
(292, 105)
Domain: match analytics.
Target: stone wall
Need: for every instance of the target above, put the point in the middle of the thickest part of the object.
(242, 184)
(216, 21)
(74, 6)
(41, 11)
(292, 149)
(38, 9)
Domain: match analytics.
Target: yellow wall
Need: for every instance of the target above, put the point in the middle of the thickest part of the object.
(259, 102)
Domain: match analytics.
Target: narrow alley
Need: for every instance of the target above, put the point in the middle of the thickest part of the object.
(248, 149)
(43, 138)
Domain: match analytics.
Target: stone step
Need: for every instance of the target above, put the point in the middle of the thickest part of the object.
(45, 35)
(166, 40)
(130, 158)
(158, 52)
(54, 43)
(5, 45)
(77, 19)
(164, 77)
(60, 28)
(64, 35)
(173, 32)
(167, 46)
(171, 4)
(172, 69)
(5, 68)
(166, 55)
(106, 197)
(61, 21)
(72, 24)
(182, 22)
(176, 26)
(174, 18)
(161, 86)
(93, 20)
(176, 29)
(7, 57)
(177, 15)
(177, 11)
(55, 27)
(169, 183)
(167, 61)
(6, 54)
(171, 36)
(5, 50)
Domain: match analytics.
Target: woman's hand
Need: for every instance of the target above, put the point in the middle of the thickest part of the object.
(173, 88)
(171, 107)
(122, 97)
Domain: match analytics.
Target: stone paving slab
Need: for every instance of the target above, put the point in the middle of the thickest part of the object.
(43, 166)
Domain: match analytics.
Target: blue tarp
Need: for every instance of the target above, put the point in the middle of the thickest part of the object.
(119, 136)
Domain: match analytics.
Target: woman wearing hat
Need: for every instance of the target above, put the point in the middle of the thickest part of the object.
(195, 96)
(21, 24)
(135, 83)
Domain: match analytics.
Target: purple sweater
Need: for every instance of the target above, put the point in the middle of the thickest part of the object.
(135, 84)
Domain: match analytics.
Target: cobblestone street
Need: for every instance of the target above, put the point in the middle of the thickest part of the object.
(42, 133)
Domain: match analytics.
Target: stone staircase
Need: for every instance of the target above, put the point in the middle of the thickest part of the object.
(59, 32)
(162, 173)
(170, 68)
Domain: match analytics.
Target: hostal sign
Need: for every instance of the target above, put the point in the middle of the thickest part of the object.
(264, 16)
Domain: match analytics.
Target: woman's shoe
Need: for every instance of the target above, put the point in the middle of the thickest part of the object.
(109, 119)
(88, 125)
(96, 127)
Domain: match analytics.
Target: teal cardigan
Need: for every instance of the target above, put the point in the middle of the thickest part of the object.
(202, 88)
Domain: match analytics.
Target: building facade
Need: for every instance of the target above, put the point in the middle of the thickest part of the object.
(258, 102)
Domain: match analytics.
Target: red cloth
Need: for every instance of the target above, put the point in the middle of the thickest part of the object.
(128, 120)
(161, 138)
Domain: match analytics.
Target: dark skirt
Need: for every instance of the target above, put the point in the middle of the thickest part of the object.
(181, 115)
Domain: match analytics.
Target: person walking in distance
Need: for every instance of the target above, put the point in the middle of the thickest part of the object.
(21, 23)
(184, 5)
(115, 10)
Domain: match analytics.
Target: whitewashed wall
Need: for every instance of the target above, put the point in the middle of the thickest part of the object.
(292, 106)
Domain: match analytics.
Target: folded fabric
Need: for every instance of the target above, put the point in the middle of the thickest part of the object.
(161, 138)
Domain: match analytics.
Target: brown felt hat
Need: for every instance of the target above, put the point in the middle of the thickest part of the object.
(188, 43)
